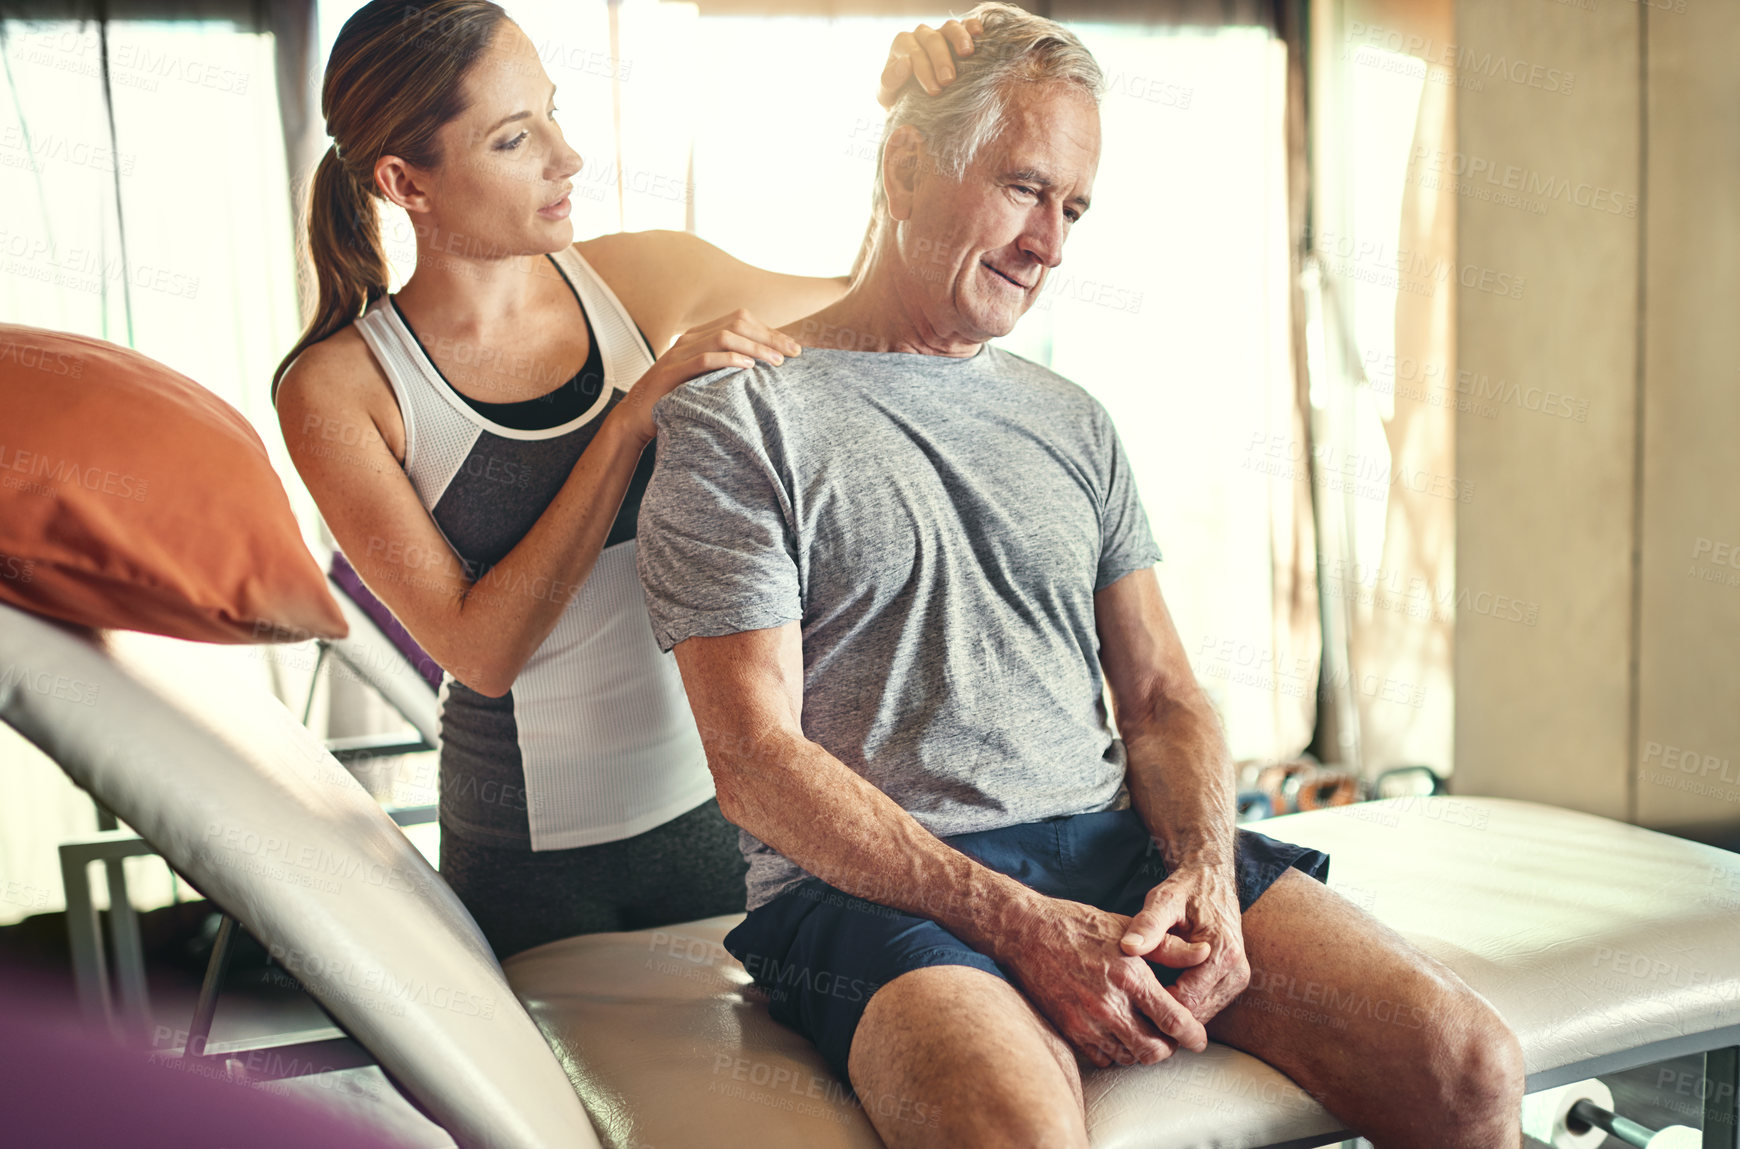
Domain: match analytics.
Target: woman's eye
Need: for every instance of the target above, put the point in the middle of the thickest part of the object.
(510, 145)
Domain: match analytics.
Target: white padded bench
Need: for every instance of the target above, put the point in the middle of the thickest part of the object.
(1605, 946)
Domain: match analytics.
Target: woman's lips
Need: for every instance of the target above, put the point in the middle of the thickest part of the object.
(557, 210)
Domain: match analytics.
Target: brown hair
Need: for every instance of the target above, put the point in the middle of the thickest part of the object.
(394, 79)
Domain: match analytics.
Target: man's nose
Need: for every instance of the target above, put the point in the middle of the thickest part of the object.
(1044, 234)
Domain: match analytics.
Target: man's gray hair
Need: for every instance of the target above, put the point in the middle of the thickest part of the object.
(1017, 47)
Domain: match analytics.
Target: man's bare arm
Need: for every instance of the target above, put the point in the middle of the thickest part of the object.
(746, 691)
(1181, 782)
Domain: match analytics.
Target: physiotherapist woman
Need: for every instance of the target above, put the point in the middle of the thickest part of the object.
(478, 444)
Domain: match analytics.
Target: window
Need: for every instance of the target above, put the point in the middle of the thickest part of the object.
(195, 170)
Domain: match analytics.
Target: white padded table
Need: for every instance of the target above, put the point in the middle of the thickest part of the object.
(1604, 946)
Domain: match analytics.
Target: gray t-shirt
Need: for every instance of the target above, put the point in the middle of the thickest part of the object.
(939, 527)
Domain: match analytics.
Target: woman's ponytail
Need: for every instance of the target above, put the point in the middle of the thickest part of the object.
(344, 254)
(395, 77)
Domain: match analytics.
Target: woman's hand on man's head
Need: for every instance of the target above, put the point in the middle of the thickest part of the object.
(928, 56)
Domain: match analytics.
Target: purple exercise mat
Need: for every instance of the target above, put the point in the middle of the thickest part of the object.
(351, 583)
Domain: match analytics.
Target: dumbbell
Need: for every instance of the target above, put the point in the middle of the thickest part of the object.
(1594, 1116)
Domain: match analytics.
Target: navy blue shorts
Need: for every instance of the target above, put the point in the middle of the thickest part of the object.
(819, 953)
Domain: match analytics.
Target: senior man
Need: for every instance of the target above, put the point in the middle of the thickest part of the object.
(894, 569)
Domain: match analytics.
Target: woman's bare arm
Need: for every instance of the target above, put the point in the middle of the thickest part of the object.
(332, 404)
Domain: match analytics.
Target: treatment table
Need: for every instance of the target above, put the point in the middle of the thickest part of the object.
(1603, 945)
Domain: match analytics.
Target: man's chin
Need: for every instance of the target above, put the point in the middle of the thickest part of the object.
(994, 323)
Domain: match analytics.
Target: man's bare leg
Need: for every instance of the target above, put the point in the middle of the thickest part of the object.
(1388, 1039)
(986, 1068)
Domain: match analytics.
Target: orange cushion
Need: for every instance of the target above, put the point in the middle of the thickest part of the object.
(133, 498)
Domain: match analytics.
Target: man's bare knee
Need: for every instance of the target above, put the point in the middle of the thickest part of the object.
(1465, 1076)
(965, 1046)
(1484, 1071)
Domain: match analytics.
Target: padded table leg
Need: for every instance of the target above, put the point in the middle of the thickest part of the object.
(90, 967)
(129, 953)
(1722, 1098)
(199, 1030)
(90, 963)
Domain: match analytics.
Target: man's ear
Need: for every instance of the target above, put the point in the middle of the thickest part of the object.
(402, 183)
(902, 155)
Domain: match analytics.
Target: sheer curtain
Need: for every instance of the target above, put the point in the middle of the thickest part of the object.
(155, 215)
(1387, 392)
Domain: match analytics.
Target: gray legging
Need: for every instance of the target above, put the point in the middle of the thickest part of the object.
(688, 868)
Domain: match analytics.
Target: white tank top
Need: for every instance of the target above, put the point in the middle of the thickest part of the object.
(595, 742)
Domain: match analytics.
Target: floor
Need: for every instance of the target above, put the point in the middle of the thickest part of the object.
(258, 1001)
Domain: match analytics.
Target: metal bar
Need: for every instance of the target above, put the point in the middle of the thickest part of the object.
(135, 1005)
(1592, 1115)
(1722, 1098)
(84, 935)
(361, 747)
(90, 969)
(319, 1035)
(1645, 1054)
(413, 815)
(199, 1030)
(109, 844)
(276, 1061)
(314, 681)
